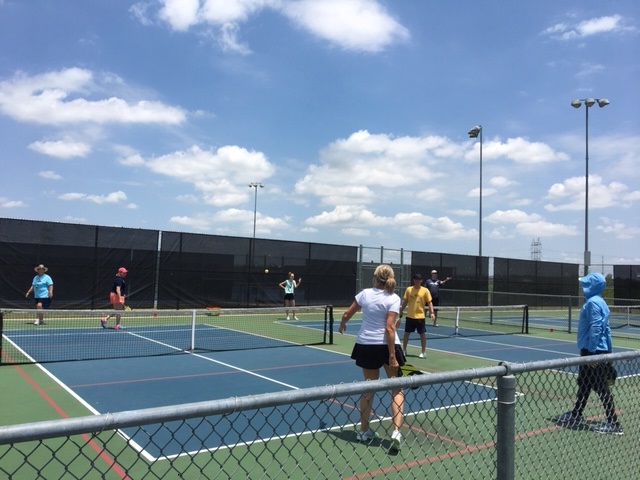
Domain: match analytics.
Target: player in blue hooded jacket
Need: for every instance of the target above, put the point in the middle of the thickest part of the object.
(594, 338)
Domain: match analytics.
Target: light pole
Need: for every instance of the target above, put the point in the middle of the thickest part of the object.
(588, 102)
(255, 186)
(473, 133)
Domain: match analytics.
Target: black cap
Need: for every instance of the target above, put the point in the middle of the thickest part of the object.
(418, 276)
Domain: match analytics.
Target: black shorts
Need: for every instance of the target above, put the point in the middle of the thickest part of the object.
(288, 296)
(373, 357)
(415, 325)
(46, 302)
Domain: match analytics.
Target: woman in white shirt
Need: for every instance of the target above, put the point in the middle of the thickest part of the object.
(377, 345)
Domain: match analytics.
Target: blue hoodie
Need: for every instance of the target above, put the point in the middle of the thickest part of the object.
(594, 332)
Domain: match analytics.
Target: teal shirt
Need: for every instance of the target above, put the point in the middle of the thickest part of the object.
(41, 285)
(289, 286)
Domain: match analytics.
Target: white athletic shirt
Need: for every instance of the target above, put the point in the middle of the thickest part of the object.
(375, 304)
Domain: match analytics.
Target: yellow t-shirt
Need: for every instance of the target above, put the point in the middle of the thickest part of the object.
(417, 299)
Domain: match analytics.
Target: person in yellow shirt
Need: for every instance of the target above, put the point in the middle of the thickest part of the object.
(416, 298)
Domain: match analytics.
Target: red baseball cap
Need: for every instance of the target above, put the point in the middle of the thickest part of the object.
(122, 270)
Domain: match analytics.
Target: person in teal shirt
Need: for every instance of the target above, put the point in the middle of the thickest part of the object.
(289, 286)
(42, 288)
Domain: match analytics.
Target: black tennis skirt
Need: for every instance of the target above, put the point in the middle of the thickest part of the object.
(373, 357)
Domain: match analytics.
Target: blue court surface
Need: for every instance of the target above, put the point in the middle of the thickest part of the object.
(141, 382)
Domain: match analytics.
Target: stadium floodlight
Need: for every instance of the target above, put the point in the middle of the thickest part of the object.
(474, 133)
(588, 102)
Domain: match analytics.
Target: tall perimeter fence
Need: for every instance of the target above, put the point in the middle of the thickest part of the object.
(493, 422)
(174, 270)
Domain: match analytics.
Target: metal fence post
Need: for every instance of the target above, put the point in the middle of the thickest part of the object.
(505, 447)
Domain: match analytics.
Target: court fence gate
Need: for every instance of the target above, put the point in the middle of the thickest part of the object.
(492, 422)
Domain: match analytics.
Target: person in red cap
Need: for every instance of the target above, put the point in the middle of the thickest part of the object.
(116, 297)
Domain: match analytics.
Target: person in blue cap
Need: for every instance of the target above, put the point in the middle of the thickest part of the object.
(594, 338)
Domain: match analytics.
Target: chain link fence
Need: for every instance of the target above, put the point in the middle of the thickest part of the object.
(493, 422)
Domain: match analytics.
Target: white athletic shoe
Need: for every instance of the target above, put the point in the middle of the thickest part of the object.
(295, 318)
(366, 435)
(287, 318)
(422, 355)
(37, 322)
(396, 440)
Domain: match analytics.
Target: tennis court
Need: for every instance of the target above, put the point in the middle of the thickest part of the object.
(165, 358)
(152, 363)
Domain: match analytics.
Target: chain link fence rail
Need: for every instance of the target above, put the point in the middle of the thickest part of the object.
(493, 422)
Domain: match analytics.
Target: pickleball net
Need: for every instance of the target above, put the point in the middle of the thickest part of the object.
(471, 321)
(624, 316)
(69, 335)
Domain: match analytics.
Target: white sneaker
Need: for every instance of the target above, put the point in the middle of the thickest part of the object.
(287, 318)
(37, 322)
(396, 440)
(366, 435)
(422, 355)
(295, 318)
(404, 351)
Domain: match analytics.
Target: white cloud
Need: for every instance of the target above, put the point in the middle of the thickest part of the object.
(49, 175)
(511, 216)
(110, 198)
(180, 14)
(229, 40)
(520, 150)
(347, 215)
(43, 99)
(569, 195)
(221, 12)
(359, 25)
(509, 222)
(140, 12)
(234, 220)
(6, 203)
(590, 69)
(354, 218)
(587, 28)
(362, 25)
(61, 148)
(486, 192)
(221, 176)
(360, 168)
(502, 182)
(545, 229)
(197, 223)
(355, 232)
(71, 219)
(618, 229)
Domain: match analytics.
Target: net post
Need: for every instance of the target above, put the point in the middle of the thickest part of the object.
(328, 323)
(569, 316)
(193, 330)
(457, 322)
(525, 319)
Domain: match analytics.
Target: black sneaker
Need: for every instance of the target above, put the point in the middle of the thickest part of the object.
(610, 428)
(568, 419)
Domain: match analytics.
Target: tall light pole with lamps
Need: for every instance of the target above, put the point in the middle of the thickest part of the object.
(473, 133)
(588, 103)
(255, 186)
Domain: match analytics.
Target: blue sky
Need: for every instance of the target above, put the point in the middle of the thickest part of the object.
(353, 114)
